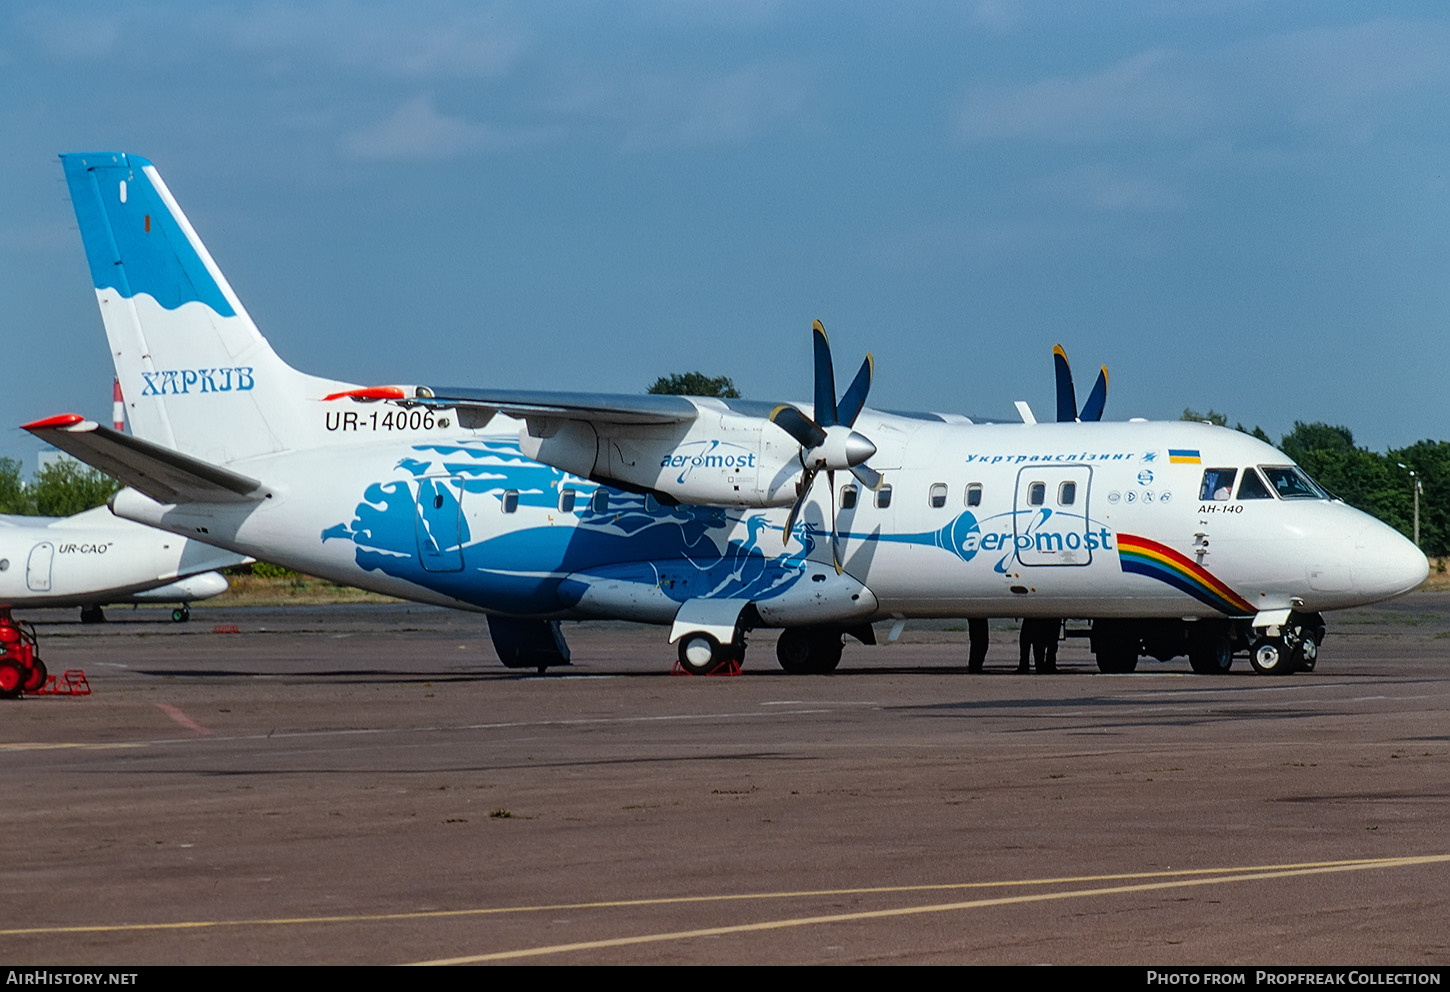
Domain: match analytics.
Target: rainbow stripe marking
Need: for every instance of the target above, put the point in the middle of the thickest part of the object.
(1184, 456)
(1144, 557)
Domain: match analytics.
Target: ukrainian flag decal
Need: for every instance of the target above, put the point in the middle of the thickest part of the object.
(1141, 556)
(1184, 456)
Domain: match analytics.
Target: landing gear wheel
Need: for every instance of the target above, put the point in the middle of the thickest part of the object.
(701, 654)
(802, 651)
(1306, 653)
(35, 680)
(12, 679)
(92, 614)
(793, 651)
(181, 614)
(1211, 653)
(1271, 657)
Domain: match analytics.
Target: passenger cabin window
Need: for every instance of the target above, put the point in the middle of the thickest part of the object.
(601, 501)
(848, 497)
(510, 500)
(974, 494)
(1037, 494)
(566, 501)
(1252, 487)
(1218, 484)
(883, 497)
(1067, 494)
(938, 497)
(1290, 483)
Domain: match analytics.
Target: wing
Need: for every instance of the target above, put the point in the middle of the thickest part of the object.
(165, 475)
(537, 405)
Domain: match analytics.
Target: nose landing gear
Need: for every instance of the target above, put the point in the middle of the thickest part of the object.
(1291, 647)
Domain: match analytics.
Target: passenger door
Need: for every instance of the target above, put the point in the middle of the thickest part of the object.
(1051, 519)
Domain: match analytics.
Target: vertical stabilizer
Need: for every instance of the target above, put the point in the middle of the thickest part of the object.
(196, 373)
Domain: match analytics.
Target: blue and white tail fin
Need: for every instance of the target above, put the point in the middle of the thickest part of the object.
(197, 375)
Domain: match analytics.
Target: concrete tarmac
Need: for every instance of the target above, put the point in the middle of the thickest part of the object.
(367, 785)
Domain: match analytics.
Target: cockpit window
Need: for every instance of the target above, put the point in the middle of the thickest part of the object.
(1218, 483)
(1252, 487)
(1290, 483)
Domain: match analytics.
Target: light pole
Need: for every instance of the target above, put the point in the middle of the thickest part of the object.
(1414, 478)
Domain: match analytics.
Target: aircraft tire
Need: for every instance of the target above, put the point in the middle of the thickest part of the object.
(1271, 657)
(793, 651)
(701, 654)
(826, 647)
(181, 614)
(35, 678)
(1211, 653)
(12, 679)
(804, 651)
(1306, 653)
(1115, 646)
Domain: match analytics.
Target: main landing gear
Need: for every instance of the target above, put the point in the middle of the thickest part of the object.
(809, 650)
(703, 654)
(800, 650)
(21, 669)
(1291, 646)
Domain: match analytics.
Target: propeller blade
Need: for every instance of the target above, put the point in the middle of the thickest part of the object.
(867, 476)
(1097, 399)
(803, 491)
(805, 430)
(825, 378)
(1066, 396)
(855, 396)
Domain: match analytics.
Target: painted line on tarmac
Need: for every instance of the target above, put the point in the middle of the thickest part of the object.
(183, 719)
(67, 745)
(1191, 876)
(211, 737)
(1239, 875)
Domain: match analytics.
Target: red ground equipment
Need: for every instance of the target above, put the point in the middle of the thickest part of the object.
(21, 669)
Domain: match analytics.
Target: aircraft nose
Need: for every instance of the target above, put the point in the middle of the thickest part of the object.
(1386, 563)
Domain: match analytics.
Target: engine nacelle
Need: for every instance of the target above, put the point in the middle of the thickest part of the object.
(719, 459)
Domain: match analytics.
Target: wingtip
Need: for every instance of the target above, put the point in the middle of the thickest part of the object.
(58, 422)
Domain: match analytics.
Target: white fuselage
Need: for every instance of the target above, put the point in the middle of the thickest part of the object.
(1081, 520)
(92, 558)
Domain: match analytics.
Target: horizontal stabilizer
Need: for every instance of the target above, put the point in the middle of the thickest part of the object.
(165, 475)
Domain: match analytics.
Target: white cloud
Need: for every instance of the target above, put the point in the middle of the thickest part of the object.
(645, 111)
(1331, 83)
(436, 39)
(417, 131)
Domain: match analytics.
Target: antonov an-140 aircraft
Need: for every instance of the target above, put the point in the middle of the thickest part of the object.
(713, 517)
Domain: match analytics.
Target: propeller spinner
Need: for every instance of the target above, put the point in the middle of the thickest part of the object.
(828, 443)
(1067, 411)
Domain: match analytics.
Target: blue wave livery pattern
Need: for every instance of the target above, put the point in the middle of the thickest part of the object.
(415, 528)
(159, 258)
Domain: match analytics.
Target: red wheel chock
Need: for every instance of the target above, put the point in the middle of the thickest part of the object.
(72, 682)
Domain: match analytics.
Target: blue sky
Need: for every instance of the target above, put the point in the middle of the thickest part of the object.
(1238, 205)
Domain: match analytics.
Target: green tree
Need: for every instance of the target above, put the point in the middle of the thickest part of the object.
(1212, 417)
(1431, 462)
(66, 487)
(1221, 420)
(695, 384)
(14, 496)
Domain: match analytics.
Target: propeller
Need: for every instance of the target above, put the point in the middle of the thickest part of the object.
(1067, 411)
(827, 442)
